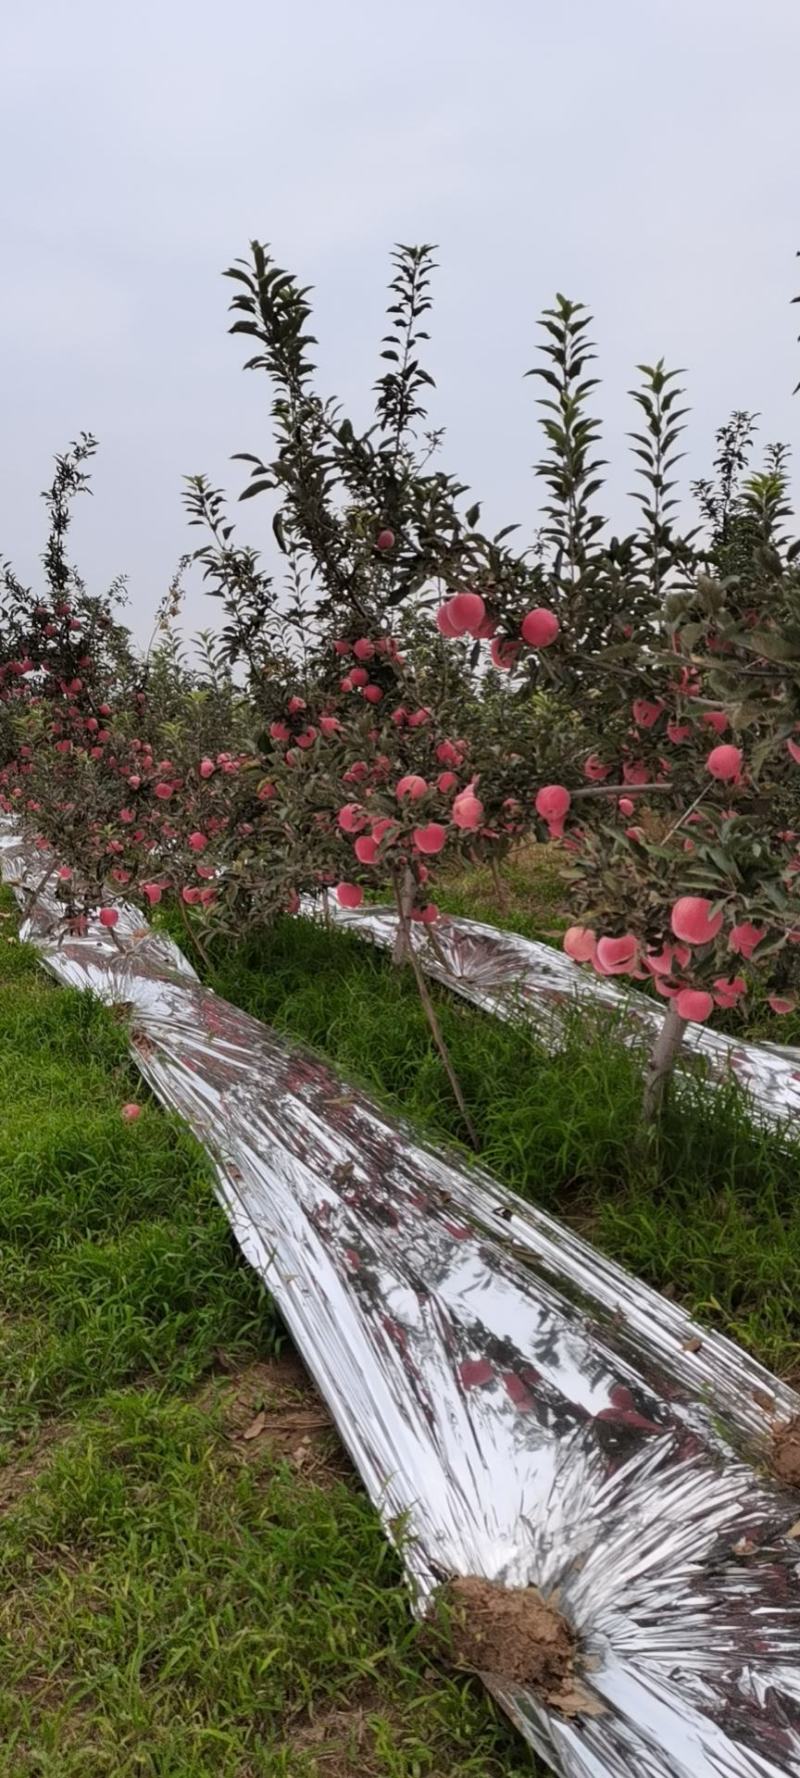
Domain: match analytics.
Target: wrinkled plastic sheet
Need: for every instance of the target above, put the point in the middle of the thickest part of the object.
(526, 1410)
(514, 977)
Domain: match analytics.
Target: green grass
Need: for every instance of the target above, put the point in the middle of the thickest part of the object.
(114, 1258)
(531, 892)
(167, 1612)
(167, 1608)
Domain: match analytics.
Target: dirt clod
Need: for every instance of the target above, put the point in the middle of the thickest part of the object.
(785, 1461)
(515, 1635)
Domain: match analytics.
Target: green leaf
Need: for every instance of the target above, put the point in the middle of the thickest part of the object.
(772, 646)
(261, 487)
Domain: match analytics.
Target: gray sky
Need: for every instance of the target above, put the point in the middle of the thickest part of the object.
(640, 155)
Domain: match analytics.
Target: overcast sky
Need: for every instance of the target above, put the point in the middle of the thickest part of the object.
(641, 155)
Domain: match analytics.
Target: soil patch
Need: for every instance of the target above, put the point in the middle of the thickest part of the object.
(785, 1459)
(340, 1740)
(23, 1470)
(272, 1406)
(515, 1635)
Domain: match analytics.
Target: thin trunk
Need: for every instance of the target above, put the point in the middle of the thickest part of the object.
(662, 1062)
(197, 942)
(617, 789)
(34, 893)
(404, 922)
(499, 886)
(432, 939)
(404, 891)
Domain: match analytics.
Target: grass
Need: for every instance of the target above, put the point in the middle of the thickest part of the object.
(114, 1259)
(175, 1601)
(527, 896)
(171, 1612)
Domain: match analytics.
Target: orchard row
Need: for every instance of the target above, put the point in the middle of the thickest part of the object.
(412, 690)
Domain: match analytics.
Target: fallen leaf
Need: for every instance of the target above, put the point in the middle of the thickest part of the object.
(256, 1427)
(745, 1547)
(692, 1345)
(794, 1530)
(763, 1400)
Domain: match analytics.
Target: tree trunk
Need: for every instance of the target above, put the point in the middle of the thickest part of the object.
(408, 954)
(662, 1062)
(499, 886)
(34, 893)
(404, 891)
(193, 937)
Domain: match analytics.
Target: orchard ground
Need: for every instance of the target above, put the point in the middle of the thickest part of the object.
(192, 1580)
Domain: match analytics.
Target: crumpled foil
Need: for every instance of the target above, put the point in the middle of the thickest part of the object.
(515, 977)
(523, 1408)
